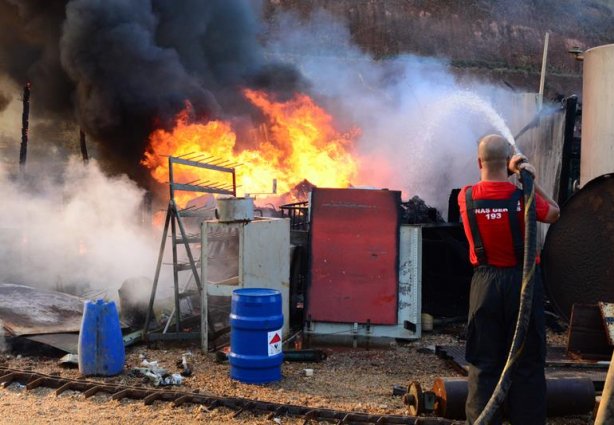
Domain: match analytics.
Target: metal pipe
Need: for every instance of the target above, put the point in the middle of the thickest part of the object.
(564, 396)
(171, 178)
(234, 183)
(154, 288)
(542, 78)
(204, 294)
(192, 156)
(184, 237)
(307, 355)
(173, 210)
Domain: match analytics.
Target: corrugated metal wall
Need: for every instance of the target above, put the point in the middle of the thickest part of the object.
(543, 144)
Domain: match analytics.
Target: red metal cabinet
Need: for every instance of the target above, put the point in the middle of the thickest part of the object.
(354, 256)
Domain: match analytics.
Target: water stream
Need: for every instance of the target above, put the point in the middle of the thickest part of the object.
(474, 105)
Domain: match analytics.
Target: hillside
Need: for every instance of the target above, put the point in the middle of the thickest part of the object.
(496, 40)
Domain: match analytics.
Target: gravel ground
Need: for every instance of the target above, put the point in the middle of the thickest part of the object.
(349, 379)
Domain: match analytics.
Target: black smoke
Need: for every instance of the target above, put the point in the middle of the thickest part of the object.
(122, 68)
(29, 36)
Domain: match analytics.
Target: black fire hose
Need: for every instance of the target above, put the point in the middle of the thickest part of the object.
(526, 300)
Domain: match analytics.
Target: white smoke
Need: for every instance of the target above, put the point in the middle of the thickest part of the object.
(420, 125)
(84, 232)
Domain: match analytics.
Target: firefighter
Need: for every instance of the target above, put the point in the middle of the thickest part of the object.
(491, 212)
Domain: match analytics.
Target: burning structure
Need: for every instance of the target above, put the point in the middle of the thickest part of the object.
(240, 101)
(156, 81)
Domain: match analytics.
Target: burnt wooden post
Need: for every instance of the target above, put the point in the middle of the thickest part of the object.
(83, 145)
(25, 121)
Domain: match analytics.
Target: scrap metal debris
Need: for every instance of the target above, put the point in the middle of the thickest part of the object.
(157, 375)
(70, 360)
(25, 310)
(185, 364)
(67, 342)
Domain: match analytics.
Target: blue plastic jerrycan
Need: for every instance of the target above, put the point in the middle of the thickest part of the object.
(101, 345)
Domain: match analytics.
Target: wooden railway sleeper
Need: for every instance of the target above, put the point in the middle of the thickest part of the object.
(309, 416)
(93, 390)
(67, 386)
(188, 398)
(238, 412)
(36, 382)
(121, 394)
(8, 379)
(150, 398)
(343, 420)
(280, 411)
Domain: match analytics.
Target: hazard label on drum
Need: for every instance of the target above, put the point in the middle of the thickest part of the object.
(274, 340)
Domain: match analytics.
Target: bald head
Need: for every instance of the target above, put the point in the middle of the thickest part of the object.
(494, 151)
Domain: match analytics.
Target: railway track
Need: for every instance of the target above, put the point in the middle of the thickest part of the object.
(32, 380)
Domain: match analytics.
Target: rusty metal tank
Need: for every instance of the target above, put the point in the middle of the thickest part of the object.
(564, 396)
(578, 254)
(597, 156)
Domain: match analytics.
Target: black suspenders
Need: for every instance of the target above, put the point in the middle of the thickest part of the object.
(511, 204)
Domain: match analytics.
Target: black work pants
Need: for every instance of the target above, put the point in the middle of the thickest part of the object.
(493, 311)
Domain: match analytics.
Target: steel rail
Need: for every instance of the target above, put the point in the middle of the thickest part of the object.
(32, 380)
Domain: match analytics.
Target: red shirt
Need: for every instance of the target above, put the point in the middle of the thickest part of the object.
(494, 225)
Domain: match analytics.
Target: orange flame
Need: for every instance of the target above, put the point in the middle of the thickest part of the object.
(298, 142)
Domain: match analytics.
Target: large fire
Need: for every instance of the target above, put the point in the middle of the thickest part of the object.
(298, 142)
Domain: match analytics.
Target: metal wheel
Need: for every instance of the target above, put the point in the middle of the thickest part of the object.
(414, 399)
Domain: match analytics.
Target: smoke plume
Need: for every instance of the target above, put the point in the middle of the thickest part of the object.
(419, 124)
(84, 232)
(121, 69)
(117, 70)
(5, 99)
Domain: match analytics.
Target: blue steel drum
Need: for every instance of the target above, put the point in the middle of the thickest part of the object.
(101, 345)
(256, 321)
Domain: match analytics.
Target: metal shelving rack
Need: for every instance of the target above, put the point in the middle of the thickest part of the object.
(179, 237)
